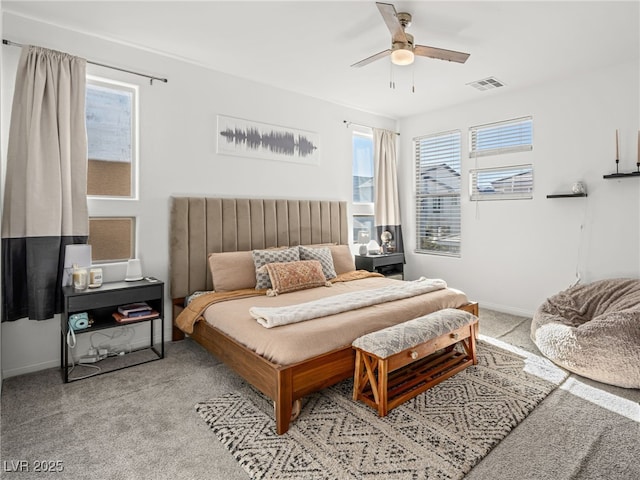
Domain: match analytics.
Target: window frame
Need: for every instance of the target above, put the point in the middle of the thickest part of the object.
(502, 132)
(124, 207)
(134, 90)
(363, 209)
(439, 203)
(476, 195)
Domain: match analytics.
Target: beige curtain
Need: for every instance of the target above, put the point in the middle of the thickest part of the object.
(45, 206)
(387, 203)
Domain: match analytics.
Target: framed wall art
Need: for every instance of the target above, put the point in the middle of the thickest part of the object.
(247, 138)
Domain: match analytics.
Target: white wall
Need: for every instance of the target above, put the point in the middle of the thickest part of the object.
(178, 152)
(516, 253)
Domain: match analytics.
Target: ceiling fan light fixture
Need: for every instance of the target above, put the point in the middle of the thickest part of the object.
(402, 56)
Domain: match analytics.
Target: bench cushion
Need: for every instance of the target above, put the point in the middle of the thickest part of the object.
(391, 340)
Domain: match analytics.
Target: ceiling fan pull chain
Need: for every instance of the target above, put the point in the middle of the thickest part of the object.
(413, 78)
(392, 83)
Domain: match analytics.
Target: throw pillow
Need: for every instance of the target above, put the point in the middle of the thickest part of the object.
(263, 257)
(343, 260)
(232, 270)
(323, 255)
(292, 276)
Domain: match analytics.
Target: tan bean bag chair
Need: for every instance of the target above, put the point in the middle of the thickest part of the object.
(593, 330)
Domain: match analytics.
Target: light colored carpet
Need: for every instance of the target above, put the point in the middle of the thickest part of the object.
(440, 434)
(141, 423)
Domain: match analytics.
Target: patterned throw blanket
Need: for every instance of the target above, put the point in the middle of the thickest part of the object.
(270, 317)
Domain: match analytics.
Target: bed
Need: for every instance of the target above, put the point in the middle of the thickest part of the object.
(231, 227)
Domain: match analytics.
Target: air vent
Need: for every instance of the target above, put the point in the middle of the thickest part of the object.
(487, 83)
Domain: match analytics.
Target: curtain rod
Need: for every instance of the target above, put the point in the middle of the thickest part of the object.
(348, 124)
(150, 77)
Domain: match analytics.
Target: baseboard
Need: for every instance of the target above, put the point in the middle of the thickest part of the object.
(506, 309)
(36, 367)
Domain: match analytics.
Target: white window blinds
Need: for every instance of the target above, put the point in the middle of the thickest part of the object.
(502, 183)
(501, 137)
(438, 193)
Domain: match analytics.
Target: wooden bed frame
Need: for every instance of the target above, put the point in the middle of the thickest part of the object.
(200, 226)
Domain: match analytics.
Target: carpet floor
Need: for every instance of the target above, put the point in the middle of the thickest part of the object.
(141, 423)
(440, 434)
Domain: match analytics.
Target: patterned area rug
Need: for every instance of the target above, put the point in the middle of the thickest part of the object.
(440, 434)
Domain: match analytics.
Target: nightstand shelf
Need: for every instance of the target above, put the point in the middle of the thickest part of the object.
(389, 264)
(100, 304)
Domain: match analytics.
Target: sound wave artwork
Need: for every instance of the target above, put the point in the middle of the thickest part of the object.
(255, 139)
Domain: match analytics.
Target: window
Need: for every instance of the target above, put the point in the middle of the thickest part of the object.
(111, 117)
(501, 137)
(502, 183)
(438, 193)
(363, 187)
(112, 239)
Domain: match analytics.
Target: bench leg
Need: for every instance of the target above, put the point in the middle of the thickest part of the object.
(383, 394)
(359, 377)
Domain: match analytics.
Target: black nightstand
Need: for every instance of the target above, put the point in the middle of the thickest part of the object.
(100, 304)
(389, 264)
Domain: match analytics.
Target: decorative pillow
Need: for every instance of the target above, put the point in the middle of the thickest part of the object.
(323, 255)
(263, 257)
(291, 276)
(343, 260)
(232, 270)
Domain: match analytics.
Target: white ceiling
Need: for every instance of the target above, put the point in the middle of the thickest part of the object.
(308, 47)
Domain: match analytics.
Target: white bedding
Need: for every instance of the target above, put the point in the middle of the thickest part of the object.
(270, 317)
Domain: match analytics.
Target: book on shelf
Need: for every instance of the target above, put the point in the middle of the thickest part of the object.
(120, 318)
(133, 308)
(139, 313)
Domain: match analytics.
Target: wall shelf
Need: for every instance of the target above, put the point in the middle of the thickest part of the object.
(621, 175)
(567, 195)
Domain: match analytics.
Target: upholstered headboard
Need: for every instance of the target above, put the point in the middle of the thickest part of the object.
(203, 225)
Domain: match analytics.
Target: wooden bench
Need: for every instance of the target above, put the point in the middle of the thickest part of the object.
(398, 363)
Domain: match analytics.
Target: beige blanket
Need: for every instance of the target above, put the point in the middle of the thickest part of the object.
(296, 342)
(270, 317)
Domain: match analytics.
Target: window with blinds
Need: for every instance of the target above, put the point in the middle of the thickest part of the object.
(502, 137)
(502, 183)
(438, 193)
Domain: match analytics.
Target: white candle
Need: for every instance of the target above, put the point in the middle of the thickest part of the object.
(617, 156)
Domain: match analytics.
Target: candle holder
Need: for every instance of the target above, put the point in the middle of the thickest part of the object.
(629, 174)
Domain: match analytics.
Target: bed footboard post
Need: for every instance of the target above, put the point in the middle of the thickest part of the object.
(177, 334)
(283, 401)
(177, 307)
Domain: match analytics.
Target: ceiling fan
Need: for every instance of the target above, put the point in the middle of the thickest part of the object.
(402, 49)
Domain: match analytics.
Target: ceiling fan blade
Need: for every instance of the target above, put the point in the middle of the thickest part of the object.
(440, 53)
(390, 17)
(372, 58)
